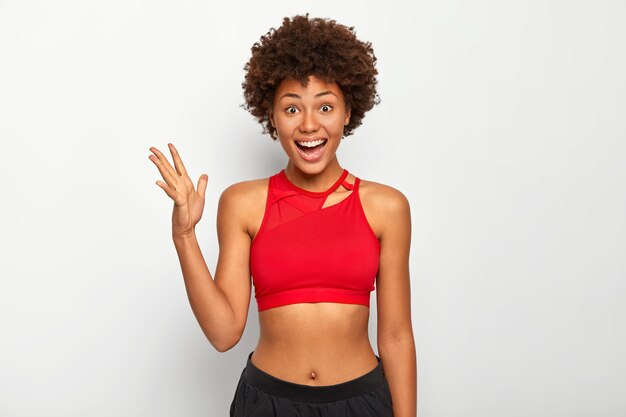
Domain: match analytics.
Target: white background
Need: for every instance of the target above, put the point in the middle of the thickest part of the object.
(501, 121)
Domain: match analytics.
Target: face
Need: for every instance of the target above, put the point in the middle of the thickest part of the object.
(309, 122)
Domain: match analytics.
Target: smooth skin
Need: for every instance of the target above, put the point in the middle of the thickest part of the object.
(307, 343)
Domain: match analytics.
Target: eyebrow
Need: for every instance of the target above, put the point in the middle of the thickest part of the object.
(294, 95)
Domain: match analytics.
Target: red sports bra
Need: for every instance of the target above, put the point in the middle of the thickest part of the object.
(304, 253)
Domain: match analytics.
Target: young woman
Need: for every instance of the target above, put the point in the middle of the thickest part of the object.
(315, 238)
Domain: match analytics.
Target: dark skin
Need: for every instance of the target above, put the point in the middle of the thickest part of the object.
(305, 343)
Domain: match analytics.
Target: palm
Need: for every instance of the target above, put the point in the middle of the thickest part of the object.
(188, 202)
(192, 198)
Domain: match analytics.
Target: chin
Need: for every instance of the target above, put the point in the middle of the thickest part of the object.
(310, 169)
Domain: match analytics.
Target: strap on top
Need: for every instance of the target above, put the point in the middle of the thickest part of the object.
(353, 186)
(343, 182)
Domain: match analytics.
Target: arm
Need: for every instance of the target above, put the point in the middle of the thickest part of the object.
(396, 345)
(220, 305)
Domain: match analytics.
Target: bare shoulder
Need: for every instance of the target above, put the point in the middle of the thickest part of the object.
(245, 192)
(245, 200)
(383, 198)
(383, 205)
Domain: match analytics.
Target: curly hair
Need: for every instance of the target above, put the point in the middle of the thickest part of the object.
(302, 47)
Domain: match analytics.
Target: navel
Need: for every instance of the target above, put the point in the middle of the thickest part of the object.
(312, 375)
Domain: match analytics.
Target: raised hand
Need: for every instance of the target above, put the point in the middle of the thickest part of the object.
(188, 203)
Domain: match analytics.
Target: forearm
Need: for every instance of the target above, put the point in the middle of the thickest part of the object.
(208, 303)
(400, 366)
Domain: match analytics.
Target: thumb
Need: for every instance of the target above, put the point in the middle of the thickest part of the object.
(202, 183)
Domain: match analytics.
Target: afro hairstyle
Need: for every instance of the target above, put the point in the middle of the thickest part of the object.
(303, 47)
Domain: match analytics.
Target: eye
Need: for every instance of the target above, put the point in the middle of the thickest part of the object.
(326, 108)
(291, 110)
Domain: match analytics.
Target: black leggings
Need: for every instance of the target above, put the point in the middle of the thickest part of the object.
(260, 394)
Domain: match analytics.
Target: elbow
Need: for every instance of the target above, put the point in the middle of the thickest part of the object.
(225, 344)
(400, 337)
(223, 337)
(222, 348)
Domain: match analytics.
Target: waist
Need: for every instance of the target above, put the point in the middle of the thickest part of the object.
(329, 338)
(270, 384)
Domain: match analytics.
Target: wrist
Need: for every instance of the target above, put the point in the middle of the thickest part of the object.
(184, 237)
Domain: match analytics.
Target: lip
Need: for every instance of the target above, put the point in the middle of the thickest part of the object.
(312, 157)
(309, 139)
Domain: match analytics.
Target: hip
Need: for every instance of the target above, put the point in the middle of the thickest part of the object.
(259, 393)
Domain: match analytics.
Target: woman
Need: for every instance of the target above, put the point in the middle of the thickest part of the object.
(314, 237)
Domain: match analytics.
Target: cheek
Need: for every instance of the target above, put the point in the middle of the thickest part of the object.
(284, 123)
(285, 128)
(335, 124)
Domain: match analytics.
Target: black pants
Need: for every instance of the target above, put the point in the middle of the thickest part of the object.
(260, 394)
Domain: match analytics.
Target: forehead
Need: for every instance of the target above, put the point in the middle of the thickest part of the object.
(314, 86)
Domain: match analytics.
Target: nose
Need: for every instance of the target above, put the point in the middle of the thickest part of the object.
(309, 122)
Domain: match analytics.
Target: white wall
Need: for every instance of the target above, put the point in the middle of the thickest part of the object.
(502, 122)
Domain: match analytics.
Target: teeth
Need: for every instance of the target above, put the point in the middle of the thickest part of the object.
(312, 143)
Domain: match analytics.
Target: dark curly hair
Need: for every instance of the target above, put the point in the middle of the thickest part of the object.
(302, 47)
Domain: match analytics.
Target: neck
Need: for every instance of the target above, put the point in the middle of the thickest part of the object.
(315, 181)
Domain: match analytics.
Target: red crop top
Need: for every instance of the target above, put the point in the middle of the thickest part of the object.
(304, 253)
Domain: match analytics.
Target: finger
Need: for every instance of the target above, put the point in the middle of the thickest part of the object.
(202, 183)
(165, 173)
(164, 160)
(166, 170)
(178, 162)
(167, 189)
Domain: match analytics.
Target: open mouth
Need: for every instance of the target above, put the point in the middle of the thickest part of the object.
(311, 147)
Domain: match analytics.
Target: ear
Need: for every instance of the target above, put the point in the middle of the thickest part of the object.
(271, 117)
(347, 117)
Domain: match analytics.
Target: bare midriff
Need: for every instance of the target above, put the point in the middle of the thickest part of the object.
(315, 343)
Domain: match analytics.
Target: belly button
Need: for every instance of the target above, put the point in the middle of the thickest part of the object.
(312, 376)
